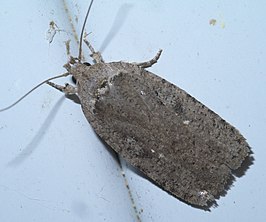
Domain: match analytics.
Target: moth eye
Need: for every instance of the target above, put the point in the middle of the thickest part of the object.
(74, 79)
(87, 64)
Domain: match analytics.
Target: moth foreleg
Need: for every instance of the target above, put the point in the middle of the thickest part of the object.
(67, 89)
(149, 63)
(97, 57)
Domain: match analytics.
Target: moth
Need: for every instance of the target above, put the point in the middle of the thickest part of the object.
(175, 140)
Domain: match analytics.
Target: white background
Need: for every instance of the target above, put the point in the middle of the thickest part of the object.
(52, 165)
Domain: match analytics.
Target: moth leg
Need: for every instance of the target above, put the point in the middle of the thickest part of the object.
(67, 89)
(149, 63)
(97, 57)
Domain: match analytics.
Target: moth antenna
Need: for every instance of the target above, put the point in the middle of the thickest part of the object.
(37, 86)
(82, 31)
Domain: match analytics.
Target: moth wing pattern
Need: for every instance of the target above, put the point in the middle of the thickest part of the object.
(158, 128)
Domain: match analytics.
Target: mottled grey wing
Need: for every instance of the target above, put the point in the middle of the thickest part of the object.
(171, 137)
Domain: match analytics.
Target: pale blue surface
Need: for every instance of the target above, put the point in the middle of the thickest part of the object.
(52, 165)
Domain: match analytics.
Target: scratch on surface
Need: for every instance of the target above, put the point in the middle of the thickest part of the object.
(41, 202)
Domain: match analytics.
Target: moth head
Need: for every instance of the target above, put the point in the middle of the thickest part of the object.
(74, 80)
